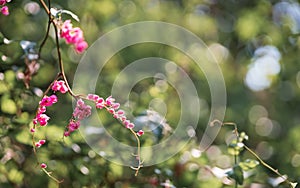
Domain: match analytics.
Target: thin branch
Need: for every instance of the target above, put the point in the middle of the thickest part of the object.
(52, 177)
(140, 163)
(266, 165)
(45, 39)
(61, 66)
(45, 7)
(254, 154)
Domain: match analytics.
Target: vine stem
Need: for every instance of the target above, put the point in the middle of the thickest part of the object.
(45, 38)
(253, 153)
(267, 165)
(61, 65)
(140, 163)
(52, 177)
(45, 7)
(62, 74)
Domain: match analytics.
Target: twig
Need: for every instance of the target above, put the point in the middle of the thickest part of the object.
(140, 163)
(266, 165)
(253, 153)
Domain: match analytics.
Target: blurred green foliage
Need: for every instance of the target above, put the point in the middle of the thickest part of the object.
(232, 29)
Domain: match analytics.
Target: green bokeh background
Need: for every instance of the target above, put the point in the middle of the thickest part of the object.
(239, 27)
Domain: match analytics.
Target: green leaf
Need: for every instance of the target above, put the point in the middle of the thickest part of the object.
(15, 176)
(74, 16)
(8, 106)
(248, 164)
(57, 13)
(237, 174)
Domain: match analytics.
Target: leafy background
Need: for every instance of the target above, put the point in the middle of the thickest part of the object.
(232, 29)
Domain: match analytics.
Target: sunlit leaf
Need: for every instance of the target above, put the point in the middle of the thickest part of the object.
(248, 164)
(74, 16)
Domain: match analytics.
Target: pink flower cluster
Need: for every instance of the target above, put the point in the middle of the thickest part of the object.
(60, 85)
(40, 143)
(81, 111)
(73, 36)
(113, 108)
(4, 8)
(41, 117)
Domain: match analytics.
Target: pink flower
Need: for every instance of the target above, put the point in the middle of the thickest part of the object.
(43, 119)
(128, 124)
(34, 121)
(140, 133)
(4, 11)
(66, 28)
(112, 107)
(32, 130)
(41, 109)
(66, 133)
(81, 46)
(115, 106)
(38, 145)
(48, 101)
(60, 86)
(43, 165)
(2, 2)
(93, 97)
(42, 142)
(82, 110)
(73, 36)
(109, 101)
(73, 125)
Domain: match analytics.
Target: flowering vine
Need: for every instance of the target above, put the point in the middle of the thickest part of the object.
(73, 36)
(4, 9)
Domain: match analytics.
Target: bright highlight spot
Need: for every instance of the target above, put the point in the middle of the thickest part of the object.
(264, 68)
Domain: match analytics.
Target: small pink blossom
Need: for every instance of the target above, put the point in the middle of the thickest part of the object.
(43, 165)
(38, 145)
(66, 28)
(73, 125)
(93, 97)
(48, 101)
(109, 101)
(82, 110)
(120, 112)
(41, 109)
(66, 133)
(115, 106)
(110, 110)
(34, 121)
(73, 36)
(42, 142)
(128, 124)
(2, 2)
(60, 86)
(32, 130)
(81, 46)
(5, 11)
(140, 133)
(43, 119)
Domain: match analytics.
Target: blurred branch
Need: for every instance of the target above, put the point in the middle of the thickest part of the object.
(235, 131)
